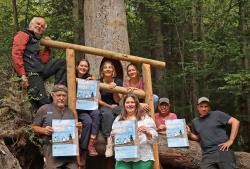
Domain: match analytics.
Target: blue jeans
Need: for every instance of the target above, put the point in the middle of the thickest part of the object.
(91, 123)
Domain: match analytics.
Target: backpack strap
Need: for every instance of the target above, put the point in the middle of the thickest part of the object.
(49, 115)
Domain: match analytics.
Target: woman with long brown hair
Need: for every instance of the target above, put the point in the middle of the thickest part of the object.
(135, 82)
(146, 131)
(89, 118)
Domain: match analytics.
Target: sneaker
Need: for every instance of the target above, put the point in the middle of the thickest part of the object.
(91, 148)
(109, 148)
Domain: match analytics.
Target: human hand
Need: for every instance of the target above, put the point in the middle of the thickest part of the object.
(112, 106)
(142, 129)
(112, 85)
(46, 38)
(225, 146)
(131, 89)
(48, 130)
(162, 127)
(188, 129)
(145, 107)
(25, 81)
(91, 78)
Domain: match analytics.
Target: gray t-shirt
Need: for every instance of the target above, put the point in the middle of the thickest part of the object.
(211, 130)
(41, 119)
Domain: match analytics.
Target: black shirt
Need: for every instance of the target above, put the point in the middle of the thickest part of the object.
(107, 96)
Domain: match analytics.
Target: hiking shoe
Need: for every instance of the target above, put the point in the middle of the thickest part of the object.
(109, 148)
(91, 148)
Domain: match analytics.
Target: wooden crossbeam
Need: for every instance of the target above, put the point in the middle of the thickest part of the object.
(105, 53)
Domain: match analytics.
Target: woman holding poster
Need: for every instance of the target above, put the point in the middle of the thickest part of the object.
(109, 100)
(89, 118)
(146, 131)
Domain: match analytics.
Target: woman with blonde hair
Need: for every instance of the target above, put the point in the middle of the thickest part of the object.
(109, 100)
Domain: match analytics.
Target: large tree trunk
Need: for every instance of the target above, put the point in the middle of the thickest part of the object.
(105, 26)
(157, 50)
(7, 160)
(244, 101)
(244, 45)
(78, 18)
(190, 158)
(196, 21)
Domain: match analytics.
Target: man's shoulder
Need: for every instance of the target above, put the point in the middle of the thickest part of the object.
(217, 112)
(172, 114)
(195, 119)
(43, 107)
(22, 35)
(157, 115)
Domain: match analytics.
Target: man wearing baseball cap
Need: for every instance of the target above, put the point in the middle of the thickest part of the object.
(42, 125)
(209, 128)
(163, 114)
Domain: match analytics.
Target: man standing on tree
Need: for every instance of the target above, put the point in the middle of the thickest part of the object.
(42, 125)
(33, 65)
(210, 130)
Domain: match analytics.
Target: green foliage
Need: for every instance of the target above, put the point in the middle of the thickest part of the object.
(237, 83)
(36, 140)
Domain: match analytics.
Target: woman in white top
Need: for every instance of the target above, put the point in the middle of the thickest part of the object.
(146, 133)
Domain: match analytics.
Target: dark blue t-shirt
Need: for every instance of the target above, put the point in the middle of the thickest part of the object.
(107, 96)
(211, 130)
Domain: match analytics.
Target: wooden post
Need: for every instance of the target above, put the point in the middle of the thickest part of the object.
(105, 53)
(71, 76)
(146, 71)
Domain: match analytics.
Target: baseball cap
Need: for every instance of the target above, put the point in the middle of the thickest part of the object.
(164, 100)
(203, 99)
(59, 87)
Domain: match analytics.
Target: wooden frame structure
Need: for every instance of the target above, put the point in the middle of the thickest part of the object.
(146, 71)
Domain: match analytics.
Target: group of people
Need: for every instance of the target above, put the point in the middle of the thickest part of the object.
(34, 65)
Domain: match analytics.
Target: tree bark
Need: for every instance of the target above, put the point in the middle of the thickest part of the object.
(15, 15)
(244, 100)
(105, 26)
(191, 157)
(157, 49)
(78, 19)
(184, 158)
(7, 160)
(195, 31)
(244, 48)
